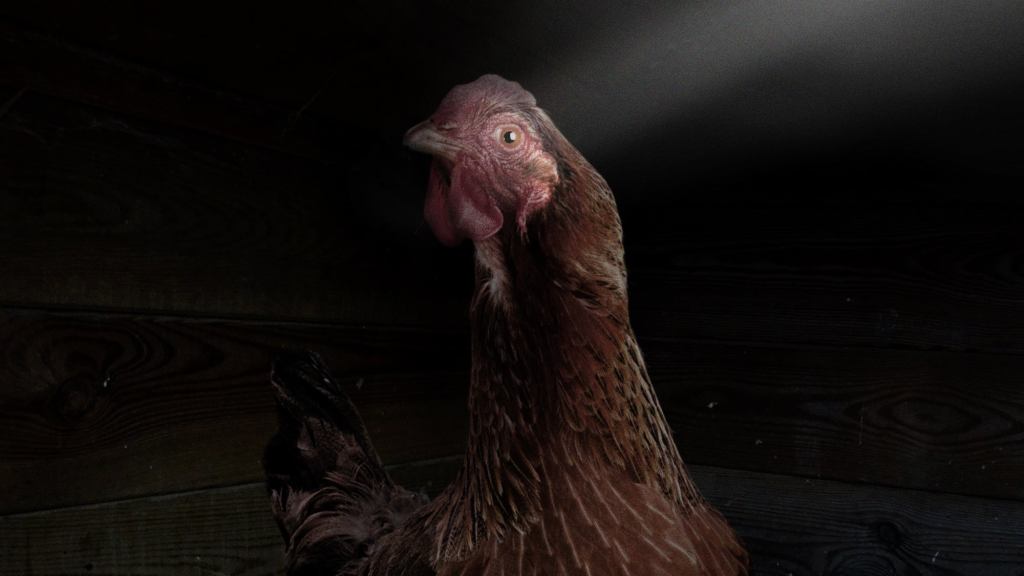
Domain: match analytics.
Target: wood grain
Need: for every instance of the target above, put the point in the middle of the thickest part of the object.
(130, 406)
(222, 531)
(102, 212)
(796, 320)
(227, 530)
(791, 526)
(943, 276)
(99, 211)
(54, 66)
(938, 421)
(302, 75)
(97, 409)
(809, 527)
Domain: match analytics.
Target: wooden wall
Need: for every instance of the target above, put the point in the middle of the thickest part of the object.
(848, 388)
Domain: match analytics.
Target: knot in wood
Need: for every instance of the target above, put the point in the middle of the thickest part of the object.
(75, 398)
(889, 533)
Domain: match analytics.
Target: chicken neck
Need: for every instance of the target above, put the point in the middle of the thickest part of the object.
(557, 377)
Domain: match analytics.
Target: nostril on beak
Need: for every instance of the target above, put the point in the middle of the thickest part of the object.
(426, 137)
(414, 135)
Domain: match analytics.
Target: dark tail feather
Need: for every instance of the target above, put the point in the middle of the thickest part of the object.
(305, 390)
(329, 492)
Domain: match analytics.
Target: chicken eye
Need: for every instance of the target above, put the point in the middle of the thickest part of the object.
(510, 136)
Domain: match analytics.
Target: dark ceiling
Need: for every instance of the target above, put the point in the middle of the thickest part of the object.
(824, 100)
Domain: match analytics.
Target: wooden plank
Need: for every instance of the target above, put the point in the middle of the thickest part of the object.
(882, 120)
(55, 67)
(97, 409)
(130, 406)
(296, 70)
(894, 276)
(791, 526)
(224, 531)
(287, 81)
(939, 421)
(98, 211)
(810, 527)
(193, 225)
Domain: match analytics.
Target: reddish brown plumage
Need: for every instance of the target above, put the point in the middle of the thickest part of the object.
(570, 465)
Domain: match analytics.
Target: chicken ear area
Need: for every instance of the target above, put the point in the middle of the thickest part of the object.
(458, 205)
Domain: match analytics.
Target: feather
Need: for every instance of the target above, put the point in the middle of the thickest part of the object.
(570, 466)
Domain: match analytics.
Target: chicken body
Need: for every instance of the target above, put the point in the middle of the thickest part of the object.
(591, 522)
(570, 465)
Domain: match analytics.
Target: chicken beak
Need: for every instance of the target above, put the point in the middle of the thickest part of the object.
(425, 137)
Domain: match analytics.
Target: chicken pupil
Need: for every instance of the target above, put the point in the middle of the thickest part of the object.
(509, 136)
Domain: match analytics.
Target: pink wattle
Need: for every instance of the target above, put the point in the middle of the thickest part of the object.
(460, 208)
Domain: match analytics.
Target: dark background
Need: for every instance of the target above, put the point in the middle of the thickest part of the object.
(822, 208)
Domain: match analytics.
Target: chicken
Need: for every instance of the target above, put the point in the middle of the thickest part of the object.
(570, 465)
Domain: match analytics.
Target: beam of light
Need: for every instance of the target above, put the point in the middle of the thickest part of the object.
(837, 61)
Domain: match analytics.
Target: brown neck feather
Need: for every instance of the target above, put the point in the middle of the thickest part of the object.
(554, 361)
